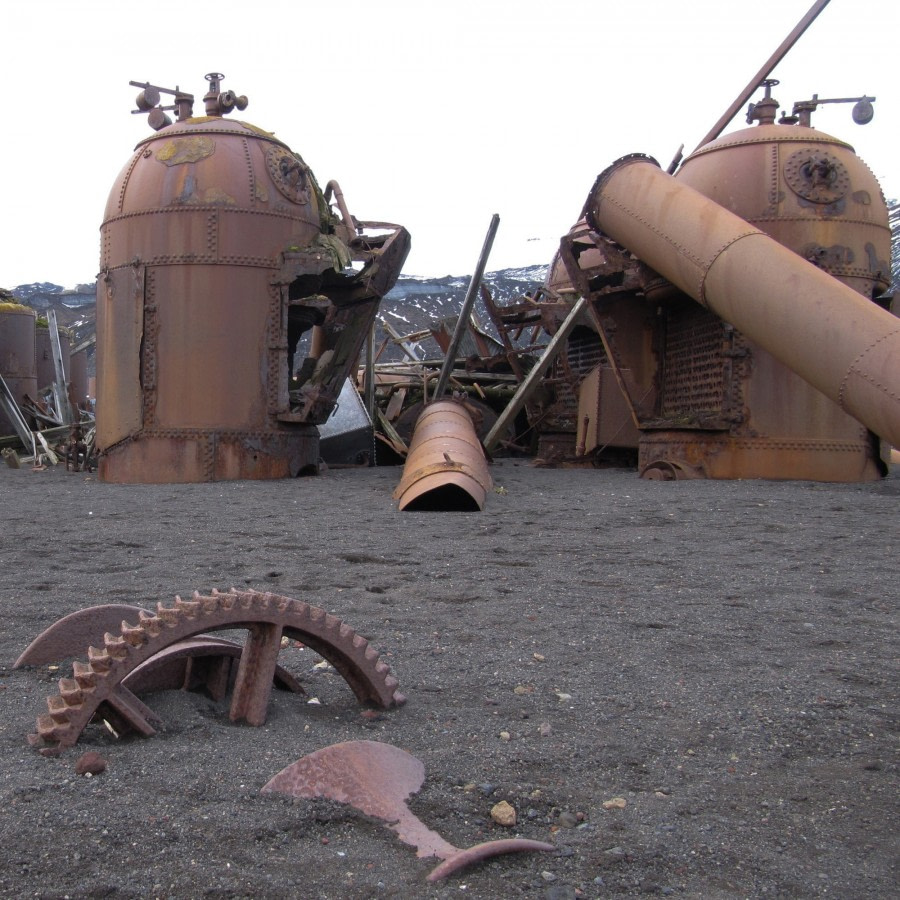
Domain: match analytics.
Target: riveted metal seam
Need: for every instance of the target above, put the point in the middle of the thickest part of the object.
(853, 370)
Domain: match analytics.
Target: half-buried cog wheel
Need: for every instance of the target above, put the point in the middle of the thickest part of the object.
(97, 688)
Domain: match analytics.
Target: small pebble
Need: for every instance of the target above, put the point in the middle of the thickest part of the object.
(504, 814)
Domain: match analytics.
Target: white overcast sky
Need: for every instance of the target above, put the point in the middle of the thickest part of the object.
(431, 114)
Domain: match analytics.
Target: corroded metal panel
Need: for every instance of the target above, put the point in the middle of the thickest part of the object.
(210, 338)
(120, 331)
(675, 455)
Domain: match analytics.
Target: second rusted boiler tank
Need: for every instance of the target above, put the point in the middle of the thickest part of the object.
(810, 192)
(219, 254)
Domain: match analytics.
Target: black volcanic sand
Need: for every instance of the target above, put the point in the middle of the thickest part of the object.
(720, 656)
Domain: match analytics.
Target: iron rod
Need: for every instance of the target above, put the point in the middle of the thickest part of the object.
(462, 323)
(763, 73)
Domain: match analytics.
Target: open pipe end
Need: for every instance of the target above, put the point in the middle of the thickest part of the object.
(593, 197)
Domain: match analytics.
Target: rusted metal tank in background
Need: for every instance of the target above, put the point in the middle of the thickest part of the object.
(446, 468)
(219, 253)
(17, 357)
(79, 380)
(43, 352)
(760, 379)
(840, 343)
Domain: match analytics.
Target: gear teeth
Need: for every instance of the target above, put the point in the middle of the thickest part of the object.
(345, 631)
(59, 709)
(331, 622)
(359, 642)
(115, 646)
(371, 654)
(382, 668)
(51, 730)
(246, 598)
(207, 604)
(150, 624)
(166, 615)
(85, 675)
(227, 601)
(100, 660)
(71, 691)
(190, 608)
(316, 614)
(133, 635)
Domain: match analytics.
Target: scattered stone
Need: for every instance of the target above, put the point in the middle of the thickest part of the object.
(504, 814)
(615, 803)
(563, 697)
(544, 730)
(505, 736)
(539, 657)
(90, 763)
(548, 876)
(568, 819)
(521, 689)
(614, 854)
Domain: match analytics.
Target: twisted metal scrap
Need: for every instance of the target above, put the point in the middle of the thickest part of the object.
(97, 686)
(376, 779)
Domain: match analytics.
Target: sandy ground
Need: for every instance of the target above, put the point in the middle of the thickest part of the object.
(719, 656)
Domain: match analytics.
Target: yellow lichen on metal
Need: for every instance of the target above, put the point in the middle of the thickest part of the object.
(216, 196)
(186, 150)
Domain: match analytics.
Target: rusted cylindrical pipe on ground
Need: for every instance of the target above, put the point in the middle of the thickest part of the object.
(841, 343)
(446, 468)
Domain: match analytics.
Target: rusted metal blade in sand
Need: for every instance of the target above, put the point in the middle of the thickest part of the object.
(377, 779)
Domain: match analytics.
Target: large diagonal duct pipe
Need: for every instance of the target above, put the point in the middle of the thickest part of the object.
(841, 343)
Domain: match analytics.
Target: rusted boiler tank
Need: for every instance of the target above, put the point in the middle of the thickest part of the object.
(721, 354)
(17, 358)
(221, 260)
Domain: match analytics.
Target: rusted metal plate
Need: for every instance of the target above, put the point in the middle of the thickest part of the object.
(71, 635)
(377, 779)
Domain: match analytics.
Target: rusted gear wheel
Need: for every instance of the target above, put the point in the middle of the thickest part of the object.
(97, 685)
